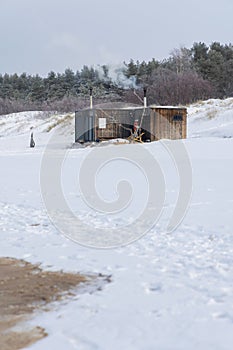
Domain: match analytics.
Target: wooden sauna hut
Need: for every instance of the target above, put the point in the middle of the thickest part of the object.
(153, 123)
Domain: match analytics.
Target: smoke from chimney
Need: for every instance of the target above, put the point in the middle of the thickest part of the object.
(116, 74)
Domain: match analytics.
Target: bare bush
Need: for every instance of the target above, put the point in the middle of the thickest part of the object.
(168, 87)
(66, 104)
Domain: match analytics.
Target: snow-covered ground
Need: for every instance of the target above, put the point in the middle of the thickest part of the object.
(169, 290)
(212, 118)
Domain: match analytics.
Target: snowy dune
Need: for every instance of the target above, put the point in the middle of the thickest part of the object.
(211, 118)
(169, 291)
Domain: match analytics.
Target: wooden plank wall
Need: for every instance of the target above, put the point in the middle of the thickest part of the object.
(114, 119)
(164, 126)
(158, 123)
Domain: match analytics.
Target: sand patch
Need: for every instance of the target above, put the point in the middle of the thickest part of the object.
(23, 288)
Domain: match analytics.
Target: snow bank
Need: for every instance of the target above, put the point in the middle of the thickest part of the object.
(212, 118)
(34, 121)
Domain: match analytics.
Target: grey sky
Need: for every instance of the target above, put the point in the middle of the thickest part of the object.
(37, 36)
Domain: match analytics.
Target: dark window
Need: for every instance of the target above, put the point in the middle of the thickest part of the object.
(177, 118)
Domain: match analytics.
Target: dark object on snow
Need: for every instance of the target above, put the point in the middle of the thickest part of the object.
(32, 142)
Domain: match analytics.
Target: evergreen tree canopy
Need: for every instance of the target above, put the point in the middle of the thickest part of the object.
(187, 75)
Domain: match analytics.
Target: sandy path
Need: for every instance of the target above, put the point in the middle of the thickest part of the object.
(23, 288)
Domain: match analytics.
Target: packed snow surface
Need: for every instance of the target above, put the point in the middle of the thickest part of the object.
(169, 291)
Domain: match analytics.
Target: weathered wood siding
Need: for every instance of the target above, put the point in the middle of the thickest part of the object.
(117, 121)
(168, 123)
(156, 123)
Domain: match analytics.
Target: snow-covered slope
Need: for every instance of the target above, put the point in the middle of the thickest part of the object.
(211, 118)
(16, 128)
(169, 291)
(16, 124)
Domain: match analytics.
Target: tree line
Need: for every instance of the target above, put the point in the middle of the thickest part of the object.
(188, 75)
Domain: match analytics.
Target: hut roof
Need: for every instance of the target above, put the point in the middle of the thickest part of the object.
(167, 107)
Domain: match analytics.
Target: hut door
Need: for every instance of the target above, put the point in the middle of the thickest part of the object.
(180, 129)
(178, 119)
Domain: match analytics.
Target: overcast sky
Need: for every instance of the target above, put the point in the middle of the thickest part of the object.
(37, 36)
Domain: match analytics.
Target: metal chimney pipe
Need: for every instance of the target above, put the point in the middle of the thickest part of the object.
(145, 99)
(91, 100)
(90, 121)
